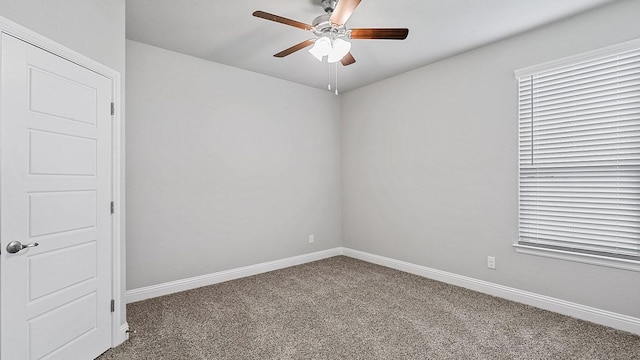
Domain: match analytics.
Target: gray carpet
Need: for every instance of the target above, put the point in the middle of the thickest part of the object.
(342, 308)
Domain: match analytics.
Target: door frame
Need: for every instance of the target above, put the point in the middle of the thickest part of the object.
(119, 325)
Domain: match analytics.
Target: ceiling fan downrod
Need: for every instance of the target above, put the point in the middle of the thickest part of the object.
(328, 6)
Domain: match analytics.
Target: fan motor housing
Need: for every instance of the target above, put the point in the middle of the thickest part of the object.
(322, 26)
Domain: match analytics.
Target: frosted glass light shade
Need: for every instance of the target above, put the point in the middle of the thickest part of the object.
(340, 48)
(321, 48)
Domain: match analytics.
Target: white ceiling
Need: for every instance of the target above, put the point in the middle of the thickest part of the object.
(225, 32)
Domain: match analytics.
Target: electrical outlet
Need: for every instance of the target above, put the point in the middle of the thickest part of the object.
(311, 239)
(491, 262)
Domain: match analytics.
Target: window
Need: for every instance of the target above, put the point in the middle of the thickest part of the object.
(579, 157)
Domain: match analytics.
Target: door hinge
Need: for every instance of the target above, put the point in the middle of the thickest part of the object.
(113, 305)
(113, 108)
(113, 207)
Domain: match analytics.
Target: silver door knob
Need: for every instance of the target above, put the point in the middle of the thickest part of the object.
(15, 246)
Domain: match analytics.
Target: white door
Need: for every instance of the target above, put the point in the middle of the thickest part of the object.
(55, 190)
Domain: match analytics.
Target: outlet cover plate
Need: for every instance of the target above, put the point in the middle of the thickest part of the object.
(491, 262)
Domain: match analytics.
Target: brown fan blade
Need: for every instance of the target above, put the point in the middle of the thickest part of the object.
(348, 59)
(343, 11)
(389, 34)
(282, 20)
(294, 48)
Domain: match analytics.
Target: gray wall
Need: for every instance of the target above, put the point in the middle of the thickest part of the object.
(226, 168)
(94, 28)
(430, 165)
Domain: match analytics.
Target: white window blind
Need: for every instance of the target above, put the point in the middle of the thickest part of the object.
(579, 154)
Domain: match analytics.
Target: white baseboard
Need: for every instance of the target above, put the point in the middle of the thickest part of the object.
(598, 316)
(152, 291)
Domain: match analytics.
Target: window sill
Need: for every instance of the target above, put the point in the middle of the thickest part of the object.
(623, 264)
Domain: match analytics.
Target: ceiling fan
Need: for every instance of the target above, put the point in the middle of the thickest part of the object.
(331, 32)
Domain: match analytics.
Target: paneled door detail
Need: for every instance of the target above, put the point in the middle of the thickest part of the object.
(55, 194)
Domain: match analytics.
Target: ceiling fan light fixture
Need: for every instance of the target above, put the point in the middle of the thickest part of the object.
(334, 50)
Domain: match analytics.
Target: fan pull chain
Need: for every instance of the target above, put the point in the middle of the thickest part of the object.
(329, 85)
(336, 78)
